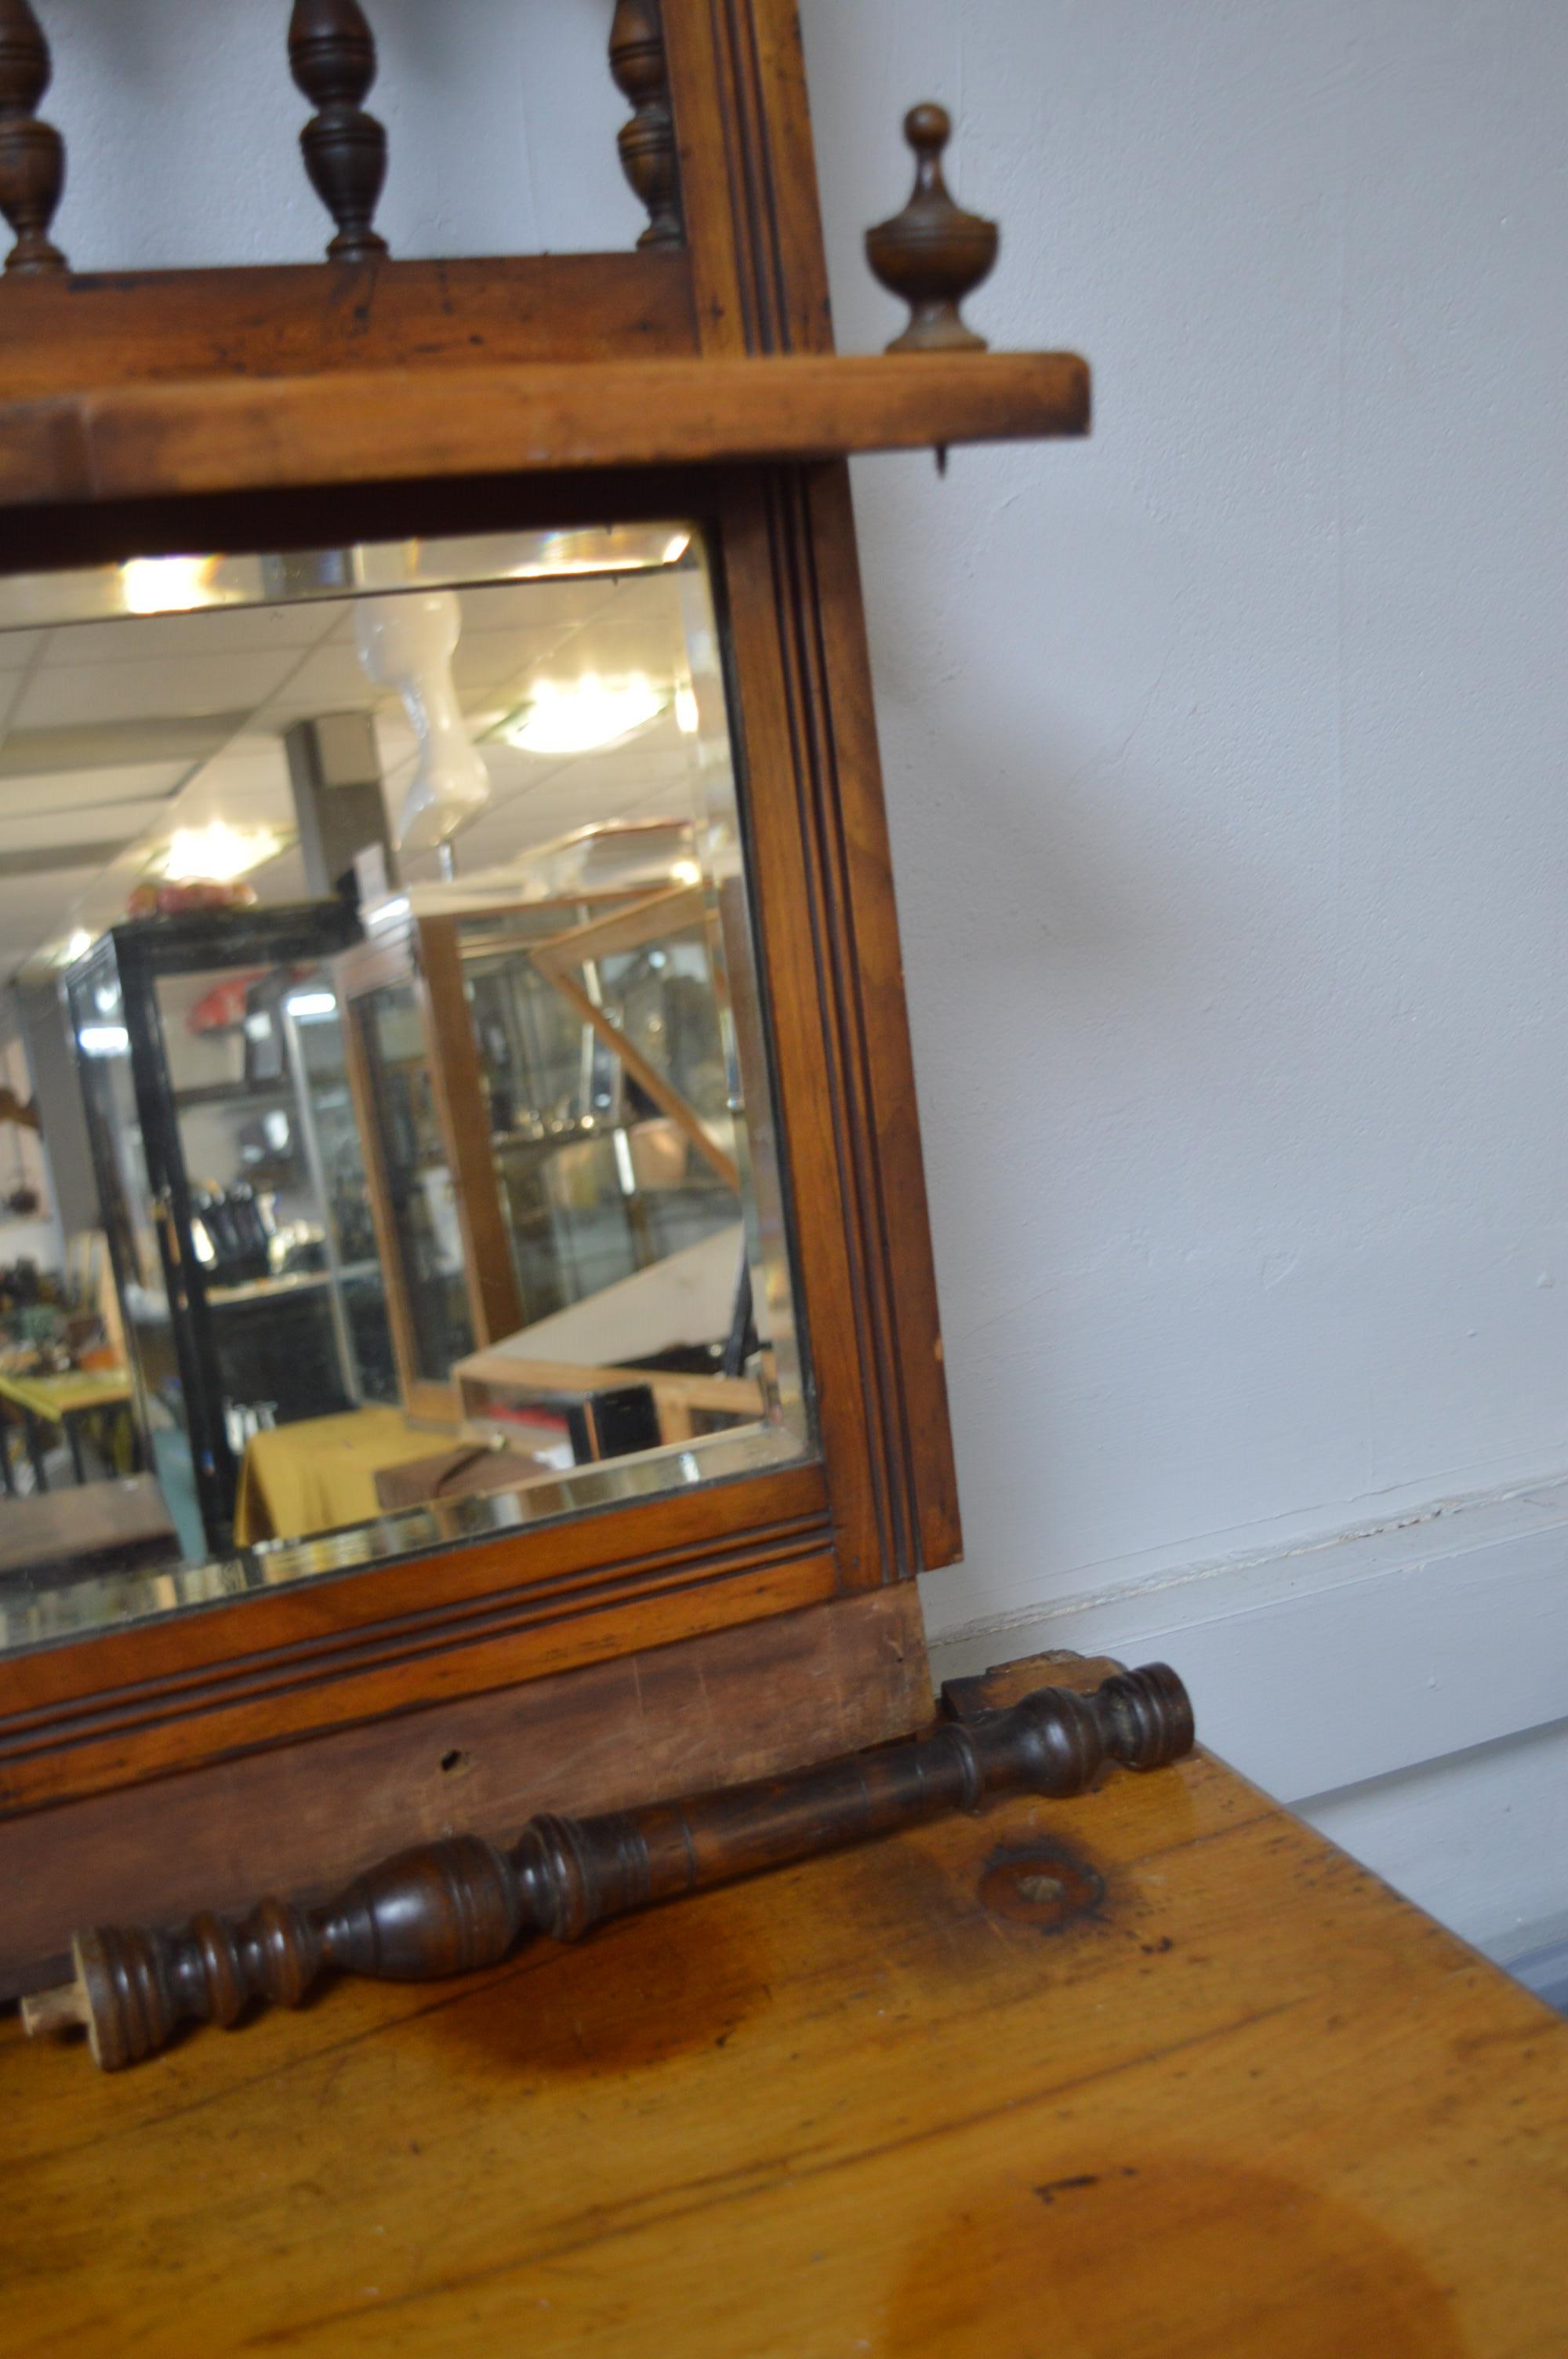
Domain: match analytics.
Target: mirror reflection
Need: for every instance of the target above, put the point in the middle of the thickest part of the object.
(385, 1099)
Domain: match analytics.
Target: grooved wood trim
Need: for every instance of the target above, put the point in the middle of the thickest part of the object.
(823, 890)
(325, 1653)
(748, 175)
(64, 335)
(749, 1701)
(226, 435)
(754, 230)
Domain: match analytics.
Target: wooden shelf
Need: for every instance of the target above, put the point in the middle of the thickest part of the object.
(384, 425)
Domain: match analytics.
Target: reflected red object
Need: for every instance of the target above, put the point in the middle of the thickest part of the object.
(223, 1008)
(169, 900)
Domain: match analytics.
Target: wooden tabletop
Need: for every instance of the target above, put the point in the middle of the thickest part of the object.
(1153, 2075)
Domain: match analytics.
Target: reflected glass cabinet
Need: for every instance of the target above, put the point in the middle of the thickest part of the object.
(551, 1093)
(232, 1188)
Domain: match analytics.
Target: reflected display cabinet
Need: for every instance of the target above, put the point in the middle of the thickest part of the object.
(230, 1187)
(659, 1138)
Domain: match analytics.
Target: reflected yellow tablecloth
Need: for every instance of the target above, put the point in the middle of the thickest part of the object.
(320, 1475)
(57, 1398)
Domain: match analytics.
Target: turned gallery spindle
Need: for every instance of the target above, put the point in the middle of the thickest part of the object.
(933, 254)
(32, 154)
(647, 143)
(331, 51)
(452, 1908)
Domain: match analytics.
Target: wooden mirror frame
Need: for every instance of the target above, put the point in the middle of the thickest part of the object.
(307, 1728)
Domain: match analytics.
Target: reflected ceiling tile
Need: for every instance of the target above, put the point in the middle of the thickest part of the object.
(167, 688)
(332, 680)
(114, 744)
(548, 610)
(219, 631)
(45, 828)
(17, 648)
(81, 790)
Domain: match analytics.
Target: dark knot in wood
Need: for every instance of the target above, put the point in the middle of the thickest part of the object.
(32, 153)
(933, 254)
(331, 52)
(647, 143)
(455, 1907)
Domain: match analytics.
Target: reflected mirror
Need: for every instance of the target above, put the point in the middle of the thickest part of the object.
(385, 1128)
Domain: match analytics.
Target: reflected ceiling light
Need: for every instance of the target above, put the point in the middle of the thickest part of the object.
(686, 872)
(615, 549)
(104, 1039)
(687, 718)
(166, 585)
(579, 716)
(407, 643)
(76, 946)
(218, 854)
(311, 1007)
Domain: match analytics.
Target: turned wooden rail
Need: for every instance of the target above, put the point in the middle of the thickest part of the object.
(454, 1906)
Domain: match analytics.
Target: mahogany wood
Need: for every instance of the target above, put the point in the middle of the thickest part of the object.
(933, 254)
(647, 143)
(32, 153)
(764, 1696)
(102, 472)
(59, 335)
(128, 1705)
(760, 277)
(458, 1905)
(135, 442)
(331, 53)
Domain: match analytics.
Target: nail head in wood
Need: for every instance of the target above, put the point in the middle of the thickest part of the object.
(331, 53)
(32, 153)
(933, 254)
(647, 143)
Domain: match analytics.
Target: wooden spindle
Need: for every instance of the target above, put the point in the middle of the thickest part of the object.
(933, 254)
(647, 143)
(452, 1907)
(331, 51)
(32, 154)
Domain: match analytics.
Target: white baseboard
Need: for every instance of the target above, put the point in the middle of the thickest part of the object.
(1354, 1658)
(1477, 1838)
(1406, 1687)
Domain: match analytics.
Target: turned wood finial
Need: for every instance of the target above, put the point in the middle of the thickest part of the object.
(452, 1907)
(647, 143)
(331, 51)
(32, 154)
(933, 254)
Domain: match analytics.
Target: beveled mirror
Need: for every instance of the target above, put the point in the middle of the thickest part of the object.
(386, 908)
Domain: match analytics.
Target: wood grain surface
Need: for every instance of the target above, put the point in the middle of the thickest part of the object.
(771, 1695)
(150, 327)
(1237, 2103)
(232, 434)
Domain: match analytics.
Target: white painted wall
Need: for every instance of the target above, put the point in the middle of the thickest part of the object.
(1225, 753)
